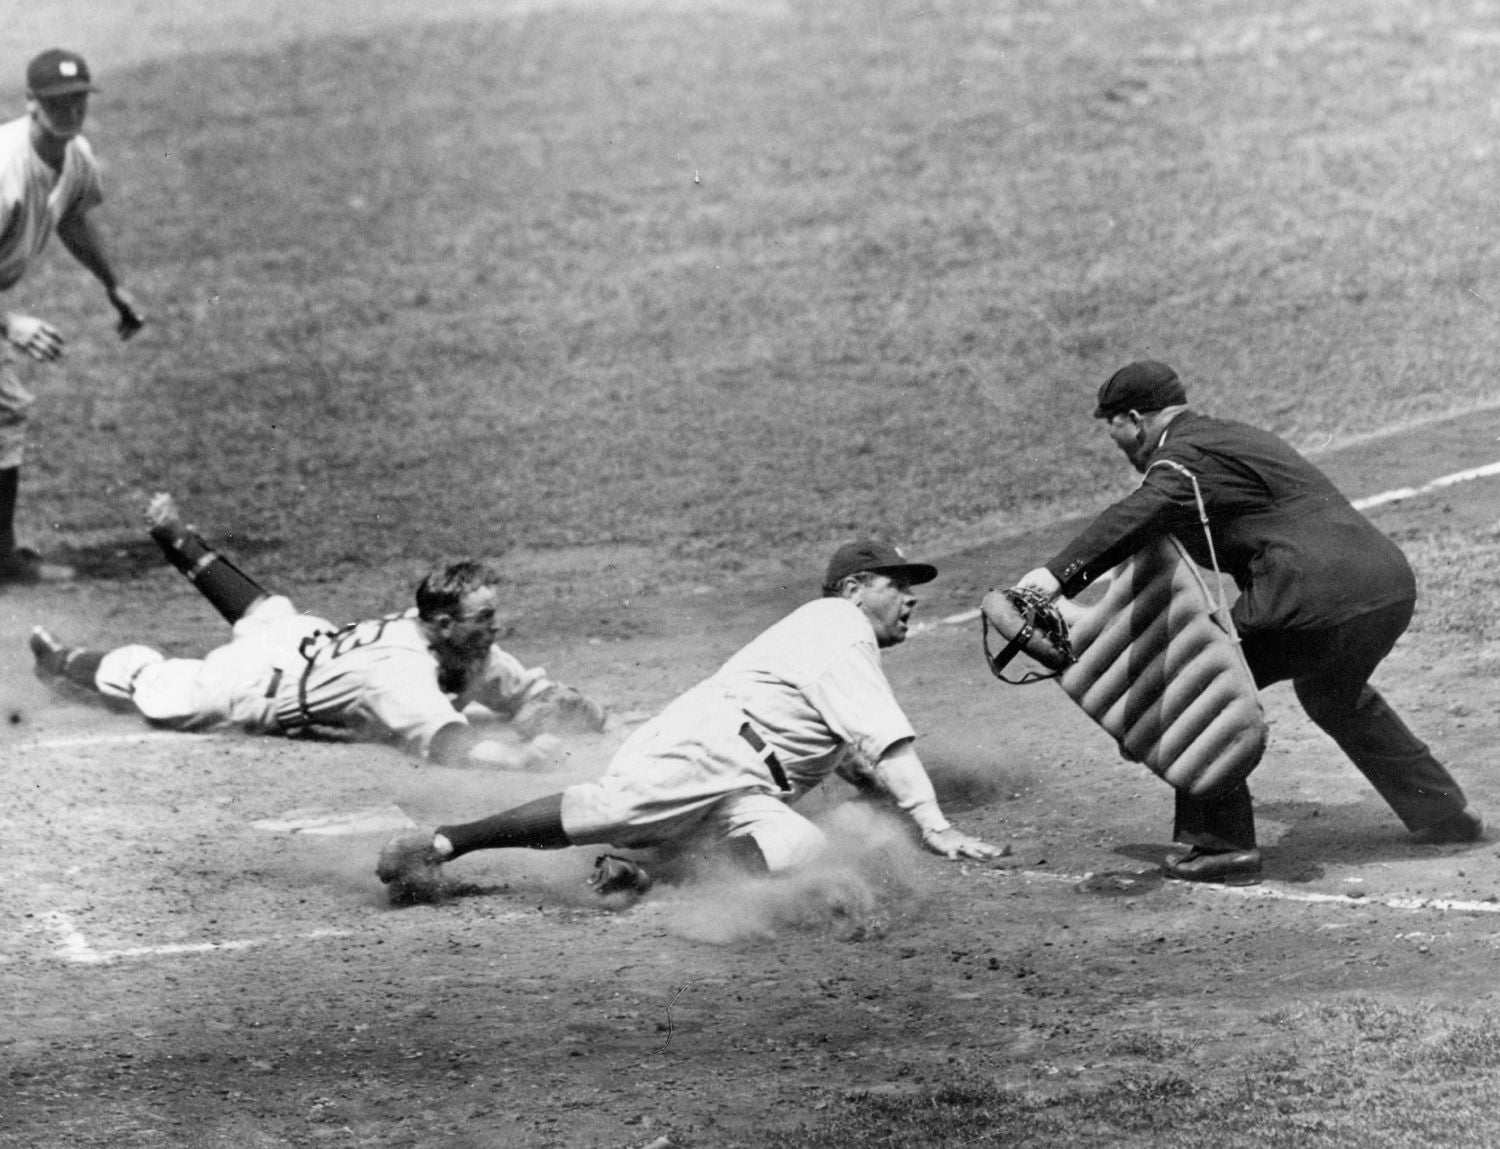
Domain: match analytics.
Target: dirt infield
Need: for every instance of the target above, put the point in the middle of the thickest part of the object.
(187, 967)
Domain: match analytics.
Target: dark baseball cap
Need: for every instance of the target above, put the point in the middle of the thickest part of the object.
(1142, 386)
(58, 72)
(882, 558)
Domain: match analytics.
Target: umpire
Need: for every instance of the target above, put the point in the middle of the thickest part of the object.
(1324, 595)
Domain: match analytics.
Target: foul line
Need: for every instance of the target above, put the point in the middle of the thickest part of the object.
(1394, 496)
(74, 947)
(1274, 893)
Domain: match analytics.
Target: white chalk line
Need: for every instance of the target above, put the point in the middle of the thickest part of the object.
(1393, 496)
(73, 946)
(1277, 893)
(145, 736)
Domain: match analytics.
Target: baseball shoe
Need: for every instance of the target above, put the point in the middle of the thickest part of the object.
(616, 875)
(1465, 826)
(162, 513)
(50, 654)
(1230, 867)
(409, 864)
(24, 567)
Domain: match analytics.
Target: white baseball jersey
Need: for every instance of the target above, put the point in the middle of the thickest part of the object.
(284, 671)
(33, 197)
(810, 689)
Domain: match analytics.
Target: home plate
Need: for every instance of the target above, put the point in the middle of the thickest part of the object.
(322, 820)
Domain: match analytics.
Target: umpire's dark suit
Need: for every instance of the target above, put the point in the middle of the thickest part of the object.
(1324, 596)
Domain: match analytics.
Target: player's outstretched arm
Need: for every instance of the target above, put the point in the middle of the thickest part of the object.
(900, 774)
(81, 237)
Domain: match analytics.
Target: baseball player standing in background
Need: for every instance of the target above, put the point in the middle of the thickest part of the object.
(404, 679)
(49, 181)
(720, 767)
(1323, 597)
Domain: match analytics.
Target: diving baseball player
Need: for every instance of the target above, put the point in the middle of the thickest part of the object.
(723, 765)
(404, 679)
(49, 181)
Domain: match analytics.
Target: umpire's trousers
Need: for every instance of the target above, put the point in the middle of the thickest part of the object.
(1330, 670)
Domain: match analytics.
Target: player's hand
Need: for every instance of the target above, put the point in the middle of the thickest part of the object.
(1042, 581)
(131, 319)
(37, 338)
(954, 843)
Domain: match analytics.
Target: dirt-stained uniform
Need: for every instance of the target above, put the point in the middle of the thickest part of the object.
(284, 672)
(719, 769)
(727, 758)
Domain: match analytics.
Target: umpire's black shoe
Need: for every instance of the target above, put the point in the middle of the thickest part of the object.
(1230, 868)
(1463, 827)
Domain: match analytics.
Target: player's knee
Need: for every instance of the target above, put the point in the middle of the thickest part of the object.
(121, 668)
(786, 846)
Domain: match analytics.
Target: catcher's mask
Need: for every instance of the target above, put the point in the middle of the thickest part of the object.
(1029, 622)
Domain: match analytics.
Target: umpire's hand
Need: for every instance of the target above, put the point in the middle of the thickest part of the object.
(954, 843)
(36, 337)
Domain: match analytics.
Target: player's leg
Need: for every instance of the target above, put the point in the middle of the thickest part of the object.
(760, 833)
(18, 565)
(1401, 767)
(411, 864)
(230, 590)
(55, 661)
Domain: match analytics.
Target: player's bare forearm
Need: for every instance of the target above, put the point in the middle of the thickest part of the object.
(84, 242)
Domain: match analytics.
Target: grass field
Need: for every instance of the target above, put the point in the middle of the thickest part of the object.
(719, 286)
(640, 294)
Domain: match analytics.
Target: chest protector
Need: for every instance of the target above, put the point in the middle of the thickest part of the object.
(1156, 663)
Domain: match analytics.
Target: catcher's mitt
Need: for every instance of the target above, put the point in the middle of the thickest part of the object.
(1030, 622)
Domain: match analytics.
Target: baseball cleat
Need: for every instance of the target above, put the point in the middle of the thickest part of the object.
(409, 864)
(51, 655)
(24, 567)
(616, 875)
(162, 512)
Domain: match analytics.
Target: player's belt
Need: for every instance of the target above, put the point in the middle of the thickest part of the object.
(766, 755)
(293, 714)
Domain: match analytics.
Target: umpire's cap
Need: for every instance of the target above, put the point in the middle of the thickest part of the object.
(1142, 386)
(882, 558)
(58, 72)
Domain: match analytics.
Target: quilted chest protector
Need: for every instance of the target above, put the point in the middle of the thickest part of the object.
(1159, 668)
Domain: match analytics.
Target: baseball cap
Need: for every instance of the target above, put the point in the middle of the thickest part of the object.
(1142, 386)
(58, 72)
(869, 555)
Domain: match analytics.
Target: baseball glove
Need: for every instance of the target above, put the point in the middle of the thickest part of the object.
(1029, 622)
(560, 710)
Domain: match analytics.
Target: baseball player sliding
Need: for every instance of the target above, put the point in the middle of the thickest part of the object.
(405, 678)
(721, 767)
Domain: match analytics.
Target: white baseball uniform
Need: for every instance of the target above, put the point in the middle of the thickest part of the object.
(806, 697)
(33, 198)
(283, 672)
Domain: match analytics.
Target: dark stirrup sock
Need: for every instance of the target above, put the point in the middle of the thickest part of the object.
(231, 591)
(81, 667)
(536, 825)
(10, 486)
